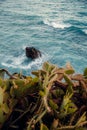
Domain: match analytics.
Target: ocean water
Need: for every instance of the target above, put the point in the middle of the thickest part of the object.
(58, 28)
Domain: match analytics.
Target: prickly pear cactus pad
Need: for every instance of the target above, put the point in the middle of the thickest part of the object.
(55, 98)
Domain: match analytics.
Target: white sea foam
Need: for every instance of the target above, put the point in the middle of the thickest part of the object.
(34, 63)
(56, 24)
(14, 61)
(85, 31)
(19, 62)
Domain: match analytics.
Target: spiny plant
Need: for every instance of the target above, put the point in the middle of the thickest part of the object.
(48, 76)
(12, 90)
(55, 99)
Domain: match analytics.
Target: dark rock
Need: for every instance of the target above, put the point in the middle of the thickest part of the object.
(32, 52)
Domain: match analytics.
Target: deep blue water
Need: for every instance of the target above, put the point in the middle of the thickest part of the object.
(58, 28)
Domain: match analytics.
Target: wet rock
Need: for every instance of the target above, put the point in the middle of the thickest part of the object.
(32, 52)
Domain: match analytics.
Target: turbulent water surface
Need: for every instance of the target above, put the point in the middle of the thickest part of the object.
(58, 28)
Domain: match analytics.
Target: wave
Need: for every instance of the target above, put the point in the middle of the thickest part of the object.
(77, 30)
(13, 61)
(55, 24)
(67, 26)
(85, 31)
(24, 63)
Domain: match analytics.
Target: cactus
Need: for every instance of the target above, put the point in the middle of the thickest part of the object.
(54, 99)
(11, 90)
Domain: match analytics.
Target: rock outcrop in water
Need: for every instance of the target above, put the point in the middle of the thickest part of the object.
(32, 52)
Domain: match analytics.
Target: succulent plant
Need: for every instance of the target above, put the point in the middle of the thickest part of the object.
(55, 99)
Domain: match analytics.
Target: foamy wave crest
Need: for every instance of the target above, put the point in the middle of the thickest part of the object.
(56, 24)
(24, 63)
(85, 31)
(35, 63)
(13, 62)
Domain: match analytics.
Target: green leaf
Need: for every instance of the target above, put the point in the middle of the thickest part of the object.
(43, 127)
(70, 89)
(53, 78)
(2, 117)
(53, 105)
(85, 72)
(72, 108)
(82, 119)
(1, 96)
(66, 100)
(67, 106)
(36, 73)
(5, 108)
(23, 87)
(2, 73)
(69, 71)
(54, 69)
(46, 66)
(42, 93)
(68, 80)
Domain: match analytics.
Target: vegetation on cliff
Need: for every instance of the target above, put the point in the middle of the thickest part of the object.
(54, 99)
